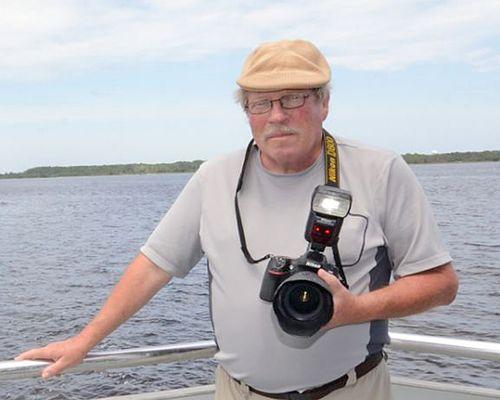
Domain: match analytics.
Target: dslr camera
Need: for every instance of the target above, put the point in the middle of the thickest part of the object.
(301, 300)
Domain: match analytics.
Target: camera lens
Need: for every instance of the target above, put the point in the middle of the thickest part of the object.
(303, 304)
(303, 300)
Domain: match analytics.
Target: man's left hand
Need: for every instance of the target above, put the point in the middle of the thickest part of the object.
(344, 302)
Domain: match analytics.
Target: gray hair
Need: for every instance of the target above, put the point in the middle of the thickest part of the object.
(241, 95)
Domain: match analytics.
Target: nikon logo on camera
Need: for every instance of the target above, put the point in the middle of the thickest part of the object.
(313, 264)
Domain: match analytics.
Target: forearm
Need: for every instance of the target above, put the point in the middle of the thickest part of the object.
(140, 282)
(409, 295)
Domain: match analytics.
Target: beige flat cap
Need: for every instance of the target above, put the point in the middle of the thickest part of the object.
(286, 64)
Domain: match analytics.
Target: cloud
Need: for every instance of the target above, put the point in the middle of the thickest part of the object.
(44, 39)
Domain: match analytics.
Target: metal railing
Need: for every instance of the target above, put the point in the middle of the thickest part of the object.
(446, 346)
(100, 361)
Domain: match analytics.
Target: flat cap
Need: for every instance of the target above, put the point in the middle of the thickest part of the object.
(286, 64)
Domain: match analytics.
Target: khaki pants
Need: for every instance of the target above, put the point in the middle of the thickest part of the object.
(375, 385)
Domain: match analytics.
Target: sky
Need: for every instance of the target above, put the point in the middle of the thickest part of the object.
(107, 82)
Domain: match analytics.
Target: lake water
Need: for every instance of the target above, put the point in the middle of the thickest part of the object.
(65, 242)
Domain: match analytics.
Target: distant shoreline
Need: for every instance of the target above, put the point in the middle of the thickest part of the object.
(455, 157)
(192, 166)
(99, 170)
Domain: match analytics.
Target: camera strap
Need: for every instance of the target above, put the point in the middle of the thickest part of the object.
(331, 160)
(331, 178)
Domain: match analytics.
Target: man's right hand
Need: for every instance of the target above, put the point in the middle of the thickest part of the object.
(64, 354)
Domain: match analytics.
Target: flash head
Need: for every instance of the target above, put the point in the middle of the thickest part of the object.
(330, 201)
(329, 206)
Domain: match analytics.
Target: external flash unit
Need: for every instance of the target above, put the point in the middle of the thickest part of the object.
(329, 206)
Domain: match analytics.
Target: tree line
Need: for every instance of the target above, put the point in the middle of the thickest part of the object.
(192, 166)
(468, 156)
(117, 169)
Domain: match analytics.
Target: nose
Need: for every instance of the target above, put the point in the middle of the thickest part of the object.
(277, 112)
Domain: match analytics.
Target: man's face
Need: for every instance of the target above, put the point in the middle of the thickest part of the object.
(288, 136)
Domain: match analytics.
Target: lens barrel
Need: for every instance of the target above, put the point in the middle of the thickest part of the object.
(303, 304)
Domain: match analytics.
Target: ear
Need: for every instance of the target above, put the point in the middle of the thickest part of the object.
(325, 107)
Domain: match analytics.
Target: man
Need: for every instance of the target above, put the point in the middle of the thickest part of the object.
(390, 230)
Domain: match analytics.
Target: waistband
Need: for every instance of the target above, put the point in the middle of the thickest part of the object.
(317, 393)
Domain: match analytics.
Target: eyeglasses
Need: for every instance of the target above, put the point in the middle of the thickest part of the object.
(288, 102)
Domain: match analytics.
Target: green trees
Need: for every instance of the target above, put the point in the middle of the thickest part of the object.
(118, 169)
(469, 156)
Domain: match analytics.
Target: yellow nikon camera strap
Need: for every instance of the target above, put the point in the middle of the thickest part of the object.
(331, 160)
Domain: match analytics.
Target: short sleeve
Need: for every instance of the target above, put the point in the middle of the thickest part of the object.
(175, 244)
(411, 233)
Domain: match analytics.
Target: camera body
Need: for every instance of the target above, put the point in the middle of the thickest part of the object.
(301, 300)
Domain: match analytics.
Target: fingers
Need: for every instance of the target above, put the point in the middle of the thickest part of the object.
(330, 279)
(41, 353)
(34, 354)
(55, 369)
(345, 301)
(64, 354)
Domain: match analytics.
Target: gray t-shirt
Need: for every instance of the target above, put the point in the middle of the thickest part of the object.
(401, 238)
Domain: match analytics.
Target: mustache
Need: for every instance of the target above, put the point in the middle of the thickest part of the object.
(274, 130)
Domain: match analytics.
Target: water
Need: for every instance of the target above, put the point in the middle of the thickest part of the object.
(66, 241)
